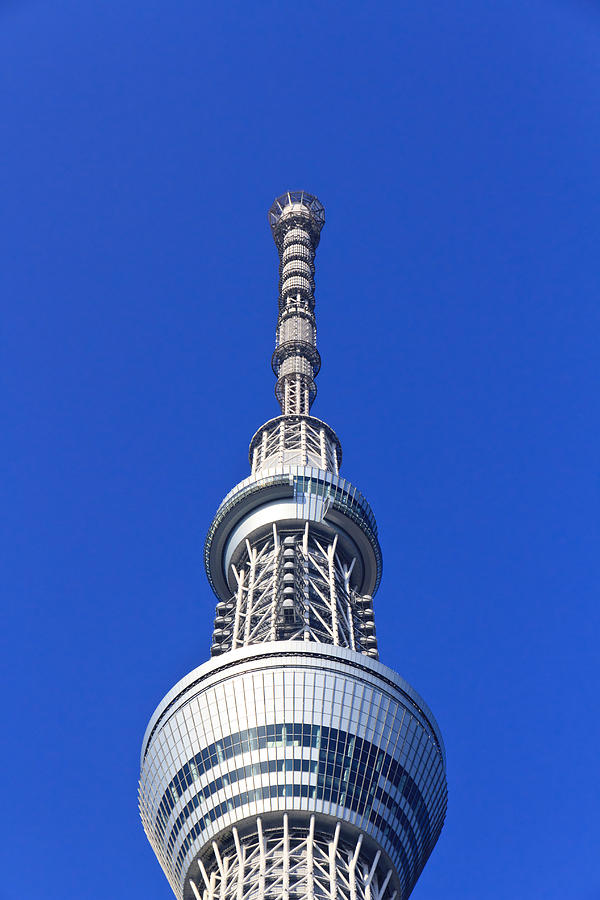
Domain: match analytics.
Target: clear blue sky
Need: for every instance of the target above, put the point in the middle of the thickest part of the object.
(456, 148)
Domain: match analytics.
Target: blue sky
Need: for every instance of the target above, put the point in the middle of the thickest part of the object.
(455, 147)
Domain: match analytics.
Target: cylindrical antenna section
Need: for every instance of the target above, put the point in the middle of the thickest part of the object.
(296, 219)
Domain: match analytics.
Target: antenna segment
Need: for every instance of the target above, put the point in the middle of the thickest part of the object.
(296, 220)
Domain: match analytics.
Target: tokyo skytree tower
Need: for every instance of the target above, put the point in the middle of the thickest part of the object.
(293, 765)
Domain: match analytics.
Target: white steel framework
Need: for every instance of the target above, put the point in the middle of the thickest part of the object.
(295, 587)
(291, 863)
(295, 440)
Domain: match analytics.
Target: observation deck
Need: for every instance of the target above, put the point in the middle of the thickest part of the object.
(289, 495)
(282, 729)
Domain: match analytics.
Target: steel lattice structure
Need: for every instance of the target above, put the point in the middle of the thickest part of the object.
(286, 862)
(293, 764)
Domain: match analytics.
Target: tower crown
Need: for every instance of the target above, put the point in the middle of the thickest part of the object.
(295, 506)
(296, 207)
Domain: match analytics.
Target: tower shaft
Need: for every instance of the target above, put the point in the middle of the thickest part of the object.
(293, 765)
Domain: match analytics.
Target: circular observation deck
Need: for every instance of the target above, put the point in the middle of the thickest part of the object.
(289, 496)
(307, 731)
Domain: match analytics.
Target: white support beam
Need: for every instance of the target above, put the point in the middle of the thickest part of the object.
(310, 877)
(218, 858)
(332, 863)
(352, 868)
(354, 859)
(241, 864)
(239, 600)
(332, 591)
(251, 551)
(323, 444)
(204, 873)
(264, 446)
(386, 881)
(281, 443)
(286, 859)
(263, 860)
(373, 867)
(223, 888)
(276, 586)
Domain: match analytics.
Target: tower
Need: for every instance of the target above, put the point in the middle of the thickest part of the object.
(293, 765)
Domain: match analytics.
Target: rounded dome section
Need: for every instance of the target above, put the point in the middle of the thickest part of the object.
(286, 729)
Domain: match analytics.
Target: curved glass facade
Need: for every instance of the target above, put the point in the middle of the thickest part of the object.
(319, 734)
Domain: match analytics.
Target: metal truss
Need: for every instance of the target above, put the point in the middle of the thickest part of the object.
(291, 863)
(296, 390)
(295, 587)
(295, 440)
